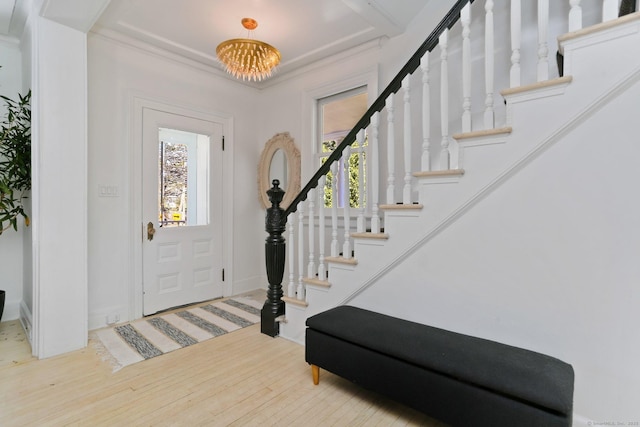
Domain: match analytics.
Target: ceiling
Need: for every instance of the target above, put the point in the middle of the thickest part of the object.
(304, 31)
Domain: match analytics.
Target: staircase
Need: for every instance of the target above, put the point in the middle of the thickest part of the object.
(476, 106)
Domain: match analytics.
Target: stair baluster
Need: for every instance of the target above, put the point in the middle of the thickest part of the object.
(322, 271)
(360, 225)
(489, 63)
(406, 190)
(346, 244)
(300, 294)
(543, 48)
(444, 101)
(609, 10)
(575, 15)
(291, 289)
(334, 210)
(465, 20)
(311, 268)
(391, 151)
(516, 29)
(426, 113)
(374, 165)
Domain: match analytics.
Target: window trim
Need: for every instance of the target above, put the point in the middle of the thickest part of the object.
(367, 78)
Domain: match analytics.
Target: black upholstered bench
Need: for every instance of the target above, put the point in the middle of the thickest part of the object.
(458, 379)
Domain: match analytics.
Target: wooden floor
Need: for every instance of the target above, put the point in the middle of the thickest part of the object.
(243, 378)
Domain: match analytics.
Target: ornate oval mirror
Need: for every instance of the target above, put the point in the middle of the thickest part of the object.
(280, 160)
(278, 167)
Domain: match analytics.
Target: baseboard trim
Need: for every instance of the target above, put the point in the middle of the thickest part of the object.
(248, 285)
(11, 310)
(26, 319)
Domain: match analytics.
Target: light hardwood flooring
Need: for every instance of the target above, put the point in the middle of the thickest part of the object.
(243, 378)
(14, 346)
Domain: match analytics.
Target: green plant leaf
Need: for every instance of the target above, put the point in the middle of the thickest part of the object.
(15, 160)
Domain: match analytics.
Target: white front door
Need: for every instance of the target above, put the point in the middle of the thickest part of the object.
(181, 210)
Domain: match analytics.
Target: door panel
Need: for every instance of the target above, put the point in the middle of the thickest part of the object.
(182, 213)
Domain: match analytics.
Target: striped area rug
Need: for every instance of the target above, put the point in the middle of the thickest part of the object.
(143, 339)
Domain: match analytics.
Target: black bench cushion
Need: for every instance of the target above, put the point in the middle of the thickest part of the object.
(521, 374)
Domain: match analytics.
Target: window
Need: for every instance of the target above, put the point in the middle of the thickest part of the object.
(183, 192)
(337, 115)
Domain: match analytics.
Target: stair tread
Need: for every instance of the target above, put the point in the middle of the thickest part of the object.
(440, 173)
(341, 260)
(317, 282)
(369, 235)
(295, 301)
(481, 133)
(537, 85)
(400, 206)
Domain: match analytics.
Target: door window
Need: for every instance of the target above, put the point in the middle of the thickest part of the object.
(183, 190)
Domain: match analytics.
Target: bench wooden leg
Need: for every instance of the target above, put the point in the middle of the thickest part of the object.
(315, 373)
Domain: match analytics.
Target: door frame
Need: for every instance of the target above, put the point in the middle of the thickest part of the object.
(137, 105)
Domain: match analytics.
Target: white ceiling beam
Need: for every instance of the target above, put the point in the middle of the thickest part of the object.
(19, 17)
(78, 14)
(375, 15)
(6, 10)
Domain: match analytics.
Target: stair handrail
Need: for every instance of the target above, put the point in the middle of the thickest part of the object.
(449, 20)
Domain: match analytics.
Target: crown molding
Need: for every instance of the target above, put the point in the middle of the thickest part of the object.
(216, 69)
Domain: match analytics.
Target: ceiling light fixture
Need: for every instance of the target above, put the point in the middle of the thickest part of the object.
(248, 59)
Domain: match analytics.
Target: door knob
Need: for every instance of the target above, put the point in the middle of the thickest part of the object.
(150, 231)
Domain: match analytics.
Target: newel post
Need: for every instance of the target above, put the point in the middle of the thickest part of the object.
(274, 250)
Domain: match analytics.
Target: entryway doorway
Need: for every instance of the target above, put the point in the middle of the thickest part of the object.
(182, 224)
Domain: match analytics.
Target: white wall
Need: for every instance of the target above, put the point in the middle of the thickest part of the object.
(117, 73)
(11, 242)
(59, 188)
(547, 262)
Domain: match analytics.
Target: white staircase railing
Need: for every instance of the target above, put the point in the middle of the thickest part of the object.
(455, 69)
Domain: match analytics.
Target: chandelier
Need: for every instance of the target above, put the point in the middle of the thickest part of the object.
(248, 59)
